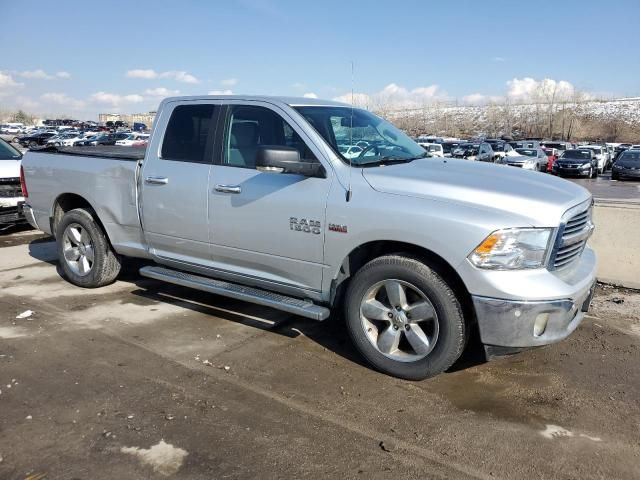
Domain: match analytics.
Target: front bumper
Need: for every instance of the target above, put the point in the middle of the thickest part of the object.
(570, 171)
(508, 323)
(627, 172)
(532, 321)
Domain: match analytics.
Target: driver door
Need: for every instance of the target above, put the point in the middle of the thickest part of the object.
(266, 226)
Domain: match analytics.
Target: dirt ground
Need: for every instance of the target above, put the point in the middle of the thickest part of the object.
(147, 380)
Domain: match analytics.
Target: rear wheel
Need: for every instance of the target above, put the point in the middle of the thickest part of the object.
(33, 144)
(84, 252)
(404, 318)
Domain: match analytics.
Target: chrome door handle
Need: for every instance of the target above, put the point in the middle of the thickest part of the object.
(228, 188)
(156, 180)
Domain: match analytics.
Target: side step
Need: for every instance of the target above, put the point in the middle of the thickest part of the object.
(304, 308)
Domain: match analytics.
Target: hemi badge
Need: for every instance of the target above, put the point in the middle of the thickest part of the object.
(337, 228)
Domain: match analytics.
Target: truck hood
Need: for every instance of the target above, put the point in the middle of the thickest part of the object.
(9, 168)
(538, 198)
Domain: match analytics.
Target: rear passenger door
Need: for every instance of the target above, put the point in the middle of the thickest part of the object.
(267, 227)
(174, 188)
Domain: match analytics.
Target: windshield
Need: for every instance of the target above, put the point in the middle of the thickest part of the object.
(448, 146)
(630, 157)
(577, 154)
(497, 147)
(7, 152)
(467, 148)
(345, 127)
(557, 146)
(527, 152)
(597, 151)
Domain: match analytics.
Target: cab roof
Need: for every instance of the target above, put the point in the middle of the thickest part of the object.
(290, 101)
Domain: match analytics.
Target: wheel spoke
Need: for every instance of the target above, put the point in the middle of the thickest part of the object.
(72, 254)
(83, 264)
(420, 311)
(74, 235)
(388, 340)
(85, 238)
(395, 292)
(89, 253)
(417, 339)
(375, 310)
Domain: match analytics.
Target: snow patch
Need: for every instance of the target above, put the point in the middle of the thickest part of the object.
(164, 458)
(556, 431)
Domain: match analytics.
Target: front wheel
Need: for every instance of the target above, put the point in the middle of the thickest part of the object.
(615, 176)
(84, 252)
(404, 318)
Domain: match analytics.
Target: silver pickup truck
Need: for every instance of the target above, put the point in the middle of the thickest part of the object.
(251, 198)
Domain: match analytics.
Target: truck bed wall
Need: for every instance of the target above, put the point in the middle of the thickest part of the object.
(109, 185)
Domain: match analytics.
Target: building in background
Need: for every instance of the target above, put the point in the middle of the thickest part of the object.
(146, 118)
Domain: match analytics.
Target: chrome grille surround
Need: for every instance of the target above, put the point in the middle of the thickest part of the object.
(575, 229)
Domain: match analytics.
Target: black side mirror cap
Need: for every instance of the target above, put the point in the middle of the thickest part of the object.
(281, 159)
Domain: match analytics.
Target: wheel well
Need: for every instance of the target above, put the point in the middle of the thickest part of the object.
(367, 252)
(67, 202)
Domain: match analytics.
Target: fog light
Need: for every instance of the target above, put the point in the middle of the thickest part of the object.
(541, 324)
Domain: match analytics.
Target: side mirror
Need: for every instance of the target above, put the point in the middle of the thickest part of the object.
(280, 159)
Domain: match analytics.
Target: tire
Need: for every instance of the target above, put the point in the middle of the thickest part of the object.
(78, 235)
(593, 172)
(443, 326)
(15, 140)
(615, 176)
(33, 144)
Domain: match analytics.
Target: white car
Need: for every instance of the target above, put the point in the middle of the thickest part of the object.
(434, 149)
(600, 153)
(10, 189)
(129, 141)
(66, 139)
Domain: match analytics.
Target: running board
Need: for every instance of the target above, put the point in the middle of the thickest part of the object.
(304, 308)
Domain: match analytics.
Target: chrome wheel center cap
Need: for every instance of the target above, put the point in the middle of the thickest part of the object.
(400, 318)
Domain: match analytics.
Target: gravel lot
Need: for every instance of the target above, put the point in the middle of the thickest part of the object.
(142, 380)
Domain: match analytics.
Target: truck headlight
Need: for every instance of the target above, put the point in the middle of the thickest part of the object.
(513, 249)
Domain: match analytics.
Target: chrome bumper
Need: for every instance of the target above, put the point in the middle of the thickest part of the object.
(522, 324)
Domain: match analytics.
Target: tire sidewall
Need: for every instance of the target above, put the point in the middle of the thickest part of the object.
(450, 340)
(100, 247)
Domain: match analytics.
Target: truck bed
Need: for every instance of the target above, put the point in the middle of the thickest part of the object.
(100, 151)
(106, 177)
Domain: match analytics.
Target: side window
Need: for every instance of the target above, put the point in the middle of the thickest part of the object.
(187, 134)
(248, 128)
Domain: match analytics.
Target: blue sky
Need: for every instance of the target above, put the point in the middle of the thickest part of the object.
(81, 58)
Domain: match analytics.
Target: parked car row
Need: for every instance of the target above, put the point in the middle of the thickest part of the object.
(75, 138)
(555, 157)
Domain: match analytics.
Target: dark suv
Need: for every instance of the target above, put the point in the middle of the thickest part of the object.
(580, 162)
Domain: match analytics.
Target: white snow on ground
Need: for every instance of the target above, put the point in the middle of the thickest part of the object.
(164, 458)
(556, 431)
(625, 109)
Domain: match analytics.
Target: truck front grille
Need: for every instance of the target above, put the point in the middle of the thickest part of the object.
(572, 238)
(10, 188)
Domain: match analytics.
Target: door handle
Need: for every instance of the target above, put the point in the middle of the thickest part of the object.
(228, 188)
(156, 180)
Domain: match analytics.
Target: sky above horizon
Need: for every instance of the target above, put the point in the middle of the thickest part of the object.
(80, 59)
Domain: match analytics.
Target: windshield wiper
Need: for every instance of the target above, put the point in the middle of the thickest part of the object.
(387, 160)
(390, 159)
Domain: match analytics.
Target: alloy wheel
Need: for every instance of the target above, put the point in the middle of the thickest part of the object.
(78, 249)
(399, 320)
